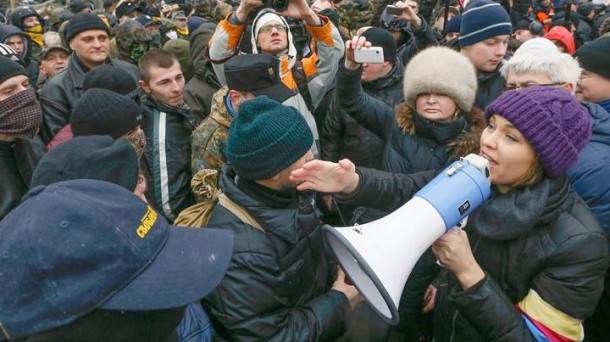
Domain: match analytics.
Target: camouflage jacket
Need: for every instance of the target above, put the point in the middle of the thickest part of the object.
(209, 140)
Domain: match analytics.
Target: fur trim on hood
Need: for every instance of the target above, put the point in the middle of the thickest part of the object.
(469, 141)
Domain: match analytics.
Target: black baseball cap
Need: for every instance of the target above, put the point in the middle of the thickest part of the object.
(258, 74)
(76, 246)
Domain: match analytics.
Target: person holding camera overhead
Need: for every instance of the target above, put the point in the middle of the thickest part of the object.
(309, 78)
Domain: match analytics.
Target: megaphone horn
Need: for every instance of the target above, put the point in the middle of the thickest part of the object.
(379, 256)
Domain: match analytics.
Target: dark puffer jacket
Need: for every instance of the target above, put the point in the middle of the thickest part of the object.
(277, 285)
(540, 238)
(407, 149)
(590, 176)
(490, 85)
(343, 137)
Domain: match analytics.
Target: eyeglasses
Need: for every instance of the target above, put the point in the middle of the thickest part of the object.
(531, 84)
(268, 28)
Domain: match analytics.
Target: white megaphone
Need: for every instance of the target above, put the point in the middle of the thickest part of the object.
(379, 256)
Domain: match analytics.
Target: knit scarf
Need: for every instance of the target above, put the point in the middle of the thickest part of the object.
(35, 33)
(20, 115)
(513, 214)
(442, 132)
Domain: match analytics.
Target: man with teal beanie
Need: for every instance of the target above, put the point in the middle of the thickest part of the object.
(281, 284)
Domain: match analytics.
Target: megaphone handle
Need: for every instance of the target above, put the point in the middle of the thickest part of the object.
(458, 226)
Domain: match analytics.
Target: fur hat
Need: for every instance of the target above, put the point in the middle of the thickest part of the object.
(440, 70)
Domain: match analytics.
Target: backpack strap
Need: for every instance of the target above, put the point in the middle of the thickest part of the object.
(238, 211)
(298, 73)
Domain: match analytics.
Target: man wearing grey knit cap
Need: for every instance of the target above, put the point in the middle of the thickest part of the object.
(281, 283)
(484, 33)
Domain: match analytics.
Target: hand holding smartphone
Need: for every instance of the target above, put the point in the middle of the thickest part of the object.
(372, 54)
(393, 10)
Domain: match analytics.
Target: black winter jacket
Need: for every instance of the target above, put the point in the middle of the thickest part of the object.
(541, 238)
(490, 85)
(61, 92)
(343, 137)
(17, 162)
(407, 149)
(168, 156)
(277, 285)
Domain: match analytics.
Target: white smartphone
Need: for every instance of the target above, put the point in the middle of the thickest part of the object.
(372, 54)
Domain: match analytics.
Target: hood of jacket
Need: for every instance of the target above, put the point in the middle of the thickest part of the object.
(10, 30)
(467, 142)
(601, 123)
(292, 50)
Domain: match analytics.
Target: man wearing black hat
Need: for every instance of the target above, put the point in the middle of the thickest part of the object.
(20, 117)
(91, 261)
(247, 76)
(281, 284)
(126, 10)
(89, 39)
(594, 83)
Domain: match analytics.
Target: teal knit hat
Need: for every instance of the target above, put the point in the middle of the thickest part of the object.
(265, 138)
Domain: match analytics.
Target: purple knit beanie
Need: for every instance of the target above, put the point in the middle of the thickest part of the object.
(552, 120)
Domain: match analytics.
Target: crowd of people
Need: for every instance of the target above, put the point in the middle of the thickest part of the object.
(166, 168)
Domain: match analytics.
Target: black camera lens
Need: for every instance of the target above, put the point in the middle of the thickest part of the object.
(279, 5)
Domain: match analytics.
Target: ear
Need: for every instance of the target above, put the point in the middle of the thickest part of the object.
(144, 86)
(71, 47)
(570, 87)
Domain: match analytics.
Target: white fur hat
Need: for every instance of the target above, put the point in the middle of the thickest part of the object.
(440, 70)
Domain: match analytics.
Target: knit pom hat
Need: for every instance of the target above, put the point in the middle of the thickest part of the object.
(265, 138)
(440, 70)
(384, 39)
(83, 22)
(483, 19)
(104, 112)
(9, 68)
(551, 119)
(593, 56)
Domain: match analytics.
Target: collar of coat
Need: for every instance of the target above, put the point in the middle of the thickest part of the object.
(467, 142)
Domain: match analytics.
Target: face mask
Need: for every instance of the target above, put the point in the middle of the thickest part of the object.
(172, 35)
(35, 33)
(20, 115)
(138, 141)
(184, 31)
(137, 51)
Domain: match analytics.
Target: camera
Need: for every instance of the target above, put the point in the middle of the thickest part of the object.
(278, 5)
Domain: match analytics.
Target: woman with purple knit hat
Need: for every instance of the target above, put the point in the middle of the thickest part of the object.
(530, 263)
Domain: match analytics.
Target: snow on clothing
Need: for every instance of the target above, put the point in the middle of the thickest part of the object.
(411, 145)
(320, 67)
